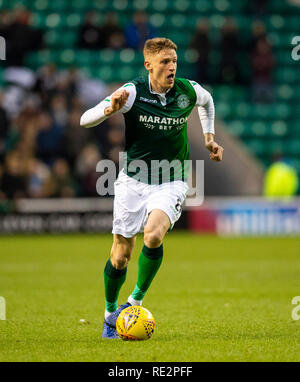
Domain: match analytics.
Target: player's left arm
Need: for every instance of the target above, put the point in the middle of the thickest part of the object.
(206, 111)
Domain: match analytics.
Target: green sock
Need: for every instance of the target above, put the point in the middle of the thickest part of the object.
(149, 262)
(113, 281)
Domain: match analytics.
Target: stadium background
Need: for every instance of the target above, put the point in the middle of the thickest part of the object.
(63, 57)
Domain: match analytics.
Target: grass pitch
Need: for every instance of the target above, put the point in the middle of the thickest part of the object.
(214, 299)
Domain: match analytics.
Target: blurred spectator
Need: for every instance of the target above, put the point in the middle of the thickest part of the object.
(262, 65)
(46, 82)
(76, 103)
(13, 100)
(13, 137)
(75, 137)
(117, 41)
(86, 169)
(20, 81)
(229, 48)
(20, 76)
(112, 34)
(2, 195)
(13, 179)
(49, 138)
(23, 136)
(201, 44)
(110, 133)
(258, 30)
(139, 31)
(58, 109)
(60, 183)
(27, 141)
(68, 83)
(90, 34)
(109, 35)
(6, 19)
(21, 37)
(4, 129)
(38, 174)
(28, 115)
(115, 138)
(91, 91)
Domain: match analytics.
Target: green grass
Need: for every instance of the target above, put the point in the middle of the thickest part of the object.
(214, 299)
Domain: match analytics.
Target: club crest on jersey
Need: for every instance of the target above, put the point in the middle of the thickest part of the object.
(183, 101)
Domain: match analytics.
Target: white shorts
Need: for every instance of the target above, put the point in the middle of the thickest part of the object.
(134, 201)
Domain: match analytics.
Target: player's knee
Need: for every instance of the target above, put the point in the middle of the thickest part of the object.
(153, 239)
(120, 256)
(119, 261)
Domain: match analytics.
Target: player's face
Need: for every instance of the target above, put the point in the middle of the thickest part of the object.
(162, 68)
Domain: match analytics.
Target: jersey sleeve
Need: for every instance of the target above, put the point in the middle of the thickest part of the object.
(206, 108)
(95, 116)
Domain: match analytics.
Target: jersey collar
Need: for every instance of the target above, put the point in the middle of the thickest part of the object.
(162, 96)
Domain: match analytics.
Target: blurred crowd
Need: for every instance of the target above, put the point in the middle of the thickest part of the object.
(43, 150)
(111, 35)
(21, 38)
(235, 54)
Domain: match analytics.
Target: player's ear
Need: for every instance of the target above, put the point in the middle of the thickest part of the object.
(148, 65)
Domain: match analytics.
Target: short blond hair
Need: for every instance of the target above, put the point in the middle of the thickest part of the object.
(155, 45)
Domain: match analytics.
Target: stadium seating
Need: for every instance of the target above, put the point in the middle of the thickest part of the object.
(266, 129)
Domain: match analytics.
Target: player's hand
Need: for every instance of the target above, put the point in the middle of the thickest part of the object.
(216, 151)
(118, 100)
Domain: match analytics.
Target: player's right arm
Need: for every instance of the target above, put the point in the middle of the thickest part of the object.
(120, 101)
